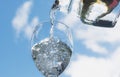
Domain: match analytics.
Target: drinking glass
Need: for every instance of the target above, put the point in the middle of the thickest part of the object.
(51, 47)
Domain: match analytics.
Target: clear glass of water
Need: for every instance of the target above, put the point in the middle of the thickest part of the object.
(51, 47)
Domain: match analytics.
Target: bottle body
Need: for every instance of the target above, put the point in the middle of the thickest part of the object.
(93, 10)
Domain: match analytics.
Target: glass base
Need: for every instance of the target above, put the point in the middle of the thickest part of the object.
(52, 76)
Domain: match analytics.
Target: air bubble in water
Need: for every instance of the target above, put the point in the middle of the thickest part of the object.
(51, 56)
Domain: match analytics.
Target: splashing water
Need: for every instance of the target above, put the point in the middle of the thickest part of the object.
(51, 56)
(53, 10)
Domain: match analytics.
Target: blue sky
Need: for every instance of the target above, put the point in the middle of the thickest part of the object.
(96, 50)
(15, 57)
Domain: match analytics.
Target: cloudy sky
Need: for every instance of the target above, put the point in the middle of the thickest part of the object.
(96, 50)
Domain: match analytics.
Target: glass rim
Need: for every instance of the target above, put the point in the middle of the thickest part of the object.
(49, 21)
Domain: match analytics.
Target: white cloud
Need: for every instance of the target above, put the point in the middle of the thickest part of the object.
(21, 22)
(21, 18)
(29, 29)
(90, 44)
(70, 20)
(96, 39)
(85, 66)
(92, 36)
